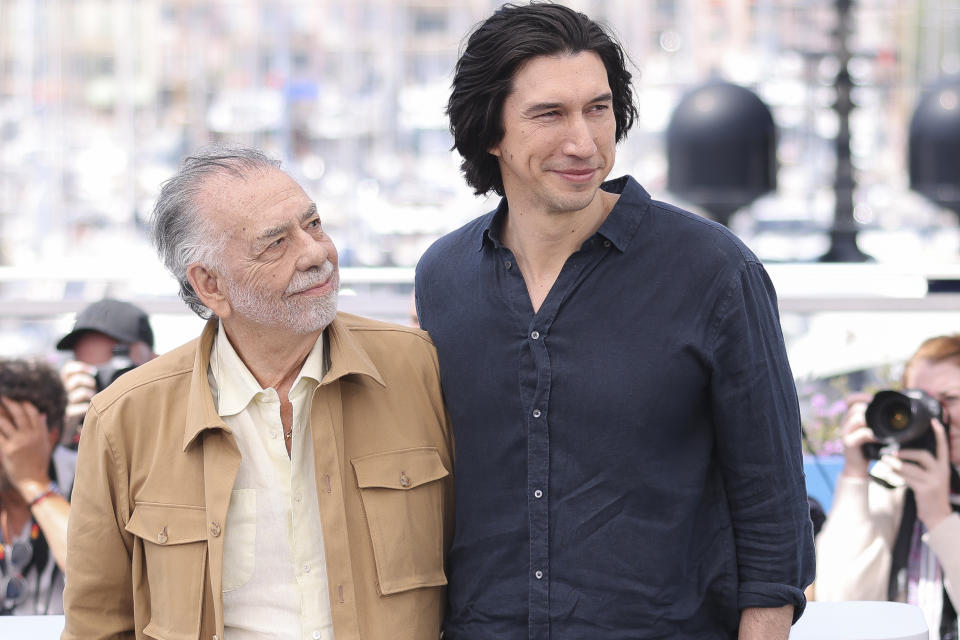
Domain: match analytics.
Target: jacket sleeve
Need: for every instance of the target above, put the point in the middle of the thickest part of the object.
(943, 542)
(855, 545)
(98, 597)
(432, 374)
(757, 435)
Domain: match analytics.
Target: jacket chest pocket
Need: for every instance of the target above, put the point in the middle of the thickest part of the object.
(402, 496)
(174, 541)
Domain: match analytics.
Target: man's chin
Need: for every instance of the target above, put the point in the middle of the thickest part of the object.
(318, 315)
(574, 202)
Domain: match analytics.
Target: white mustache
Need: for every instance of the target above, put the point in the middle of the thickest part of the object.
(309, 279)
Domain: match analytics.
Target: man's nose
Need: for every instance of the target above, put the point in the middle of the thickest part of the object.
(580, 140)
(313, 252)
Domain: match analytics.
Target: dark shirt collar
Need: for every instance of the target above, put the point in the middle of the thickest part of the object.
(619, 227)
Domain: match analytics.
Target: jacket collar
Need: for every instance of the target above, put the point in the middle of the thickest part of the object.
(201, 409)
(346, 357)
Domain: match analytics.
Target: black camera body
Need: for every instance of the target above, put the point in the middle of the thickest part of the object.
(902, 418)
(118, 365)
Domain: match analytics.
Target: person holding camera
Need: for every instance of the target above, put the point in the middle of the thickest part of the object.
(109, 338)
(893, 531)
(35, 477)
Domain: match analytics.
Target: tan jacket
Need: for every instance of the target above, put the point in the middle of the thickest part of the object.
(855, 546)
(157, 465)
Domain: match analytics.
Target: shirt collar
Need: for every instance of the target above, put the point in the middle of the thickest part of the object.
(624, 219)
(234, 386)
(494, 223)
(619, 227)
(346, 357)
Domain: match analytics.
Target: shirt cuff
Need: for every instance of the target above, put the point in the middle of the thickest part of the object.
(770, 595)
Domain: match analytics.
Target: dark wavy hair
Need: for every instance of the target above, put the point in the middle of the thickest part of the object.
(36, 382)
(495, 50)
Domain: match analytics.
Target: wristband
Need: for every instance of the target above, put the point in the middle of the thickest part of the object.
(51, 490)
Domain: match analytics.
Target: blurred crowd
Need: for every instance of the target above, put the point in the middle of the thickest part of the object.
(41, 417)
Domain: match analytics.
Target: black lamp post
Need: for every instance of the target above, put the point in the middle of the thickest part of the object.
(721, 149)
(843, 234)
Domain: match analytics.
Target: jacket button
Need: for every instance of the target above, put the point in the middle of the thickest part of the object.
(162, 536)
(404, 480)
(214, 529)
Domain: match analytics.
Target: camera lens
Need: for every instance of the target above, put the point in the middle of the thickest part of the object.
(897, 416)
(901, 418)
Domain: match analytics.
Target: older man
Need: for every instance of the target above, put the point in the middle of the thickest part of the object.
(286, 475)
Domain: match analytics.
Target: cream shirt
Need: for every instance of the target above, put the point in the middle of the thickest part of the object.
(274, 567)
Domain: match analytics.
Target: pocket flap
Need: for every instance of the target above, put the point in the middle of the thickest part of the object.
(167, 524)
(403, 469)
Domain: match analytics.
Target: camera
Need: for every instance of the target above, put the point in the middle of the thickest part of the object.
(902, 418)
(118, 365)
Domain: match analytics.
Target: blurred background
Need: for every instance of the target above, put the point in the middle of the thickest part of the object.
(845, 110)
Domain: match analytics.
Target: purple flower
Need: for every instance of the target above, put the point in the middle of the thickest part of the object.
(818, 402)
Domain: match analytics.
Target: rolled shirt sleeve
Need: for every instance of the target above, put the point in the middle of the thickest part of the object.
(757, 423)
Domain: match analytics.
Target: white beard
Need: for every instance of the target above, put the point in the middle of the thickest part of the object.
(297, 314)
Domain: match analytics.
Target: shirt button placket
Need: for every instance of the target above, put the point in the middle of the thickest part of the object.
(537, 478)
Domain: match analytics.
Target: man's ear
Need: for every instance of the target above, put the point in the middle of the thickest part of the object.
(209, 287)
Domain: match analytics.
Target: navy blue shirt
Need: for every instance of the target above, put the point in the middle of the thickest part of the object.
(628, 458)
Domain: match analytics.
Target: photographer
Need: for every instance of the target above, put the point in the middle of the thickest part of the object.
(109, 338)
(893, 531)
(35, 475)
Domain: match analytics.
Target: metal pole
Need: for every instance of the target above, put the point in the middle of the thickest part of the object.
(843, 235)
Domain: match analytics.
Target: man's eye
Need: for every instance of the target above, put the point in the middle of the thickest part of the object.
(275, 243)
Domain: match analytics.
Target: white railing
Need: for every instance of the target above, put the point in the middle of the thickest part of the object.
(801, 288)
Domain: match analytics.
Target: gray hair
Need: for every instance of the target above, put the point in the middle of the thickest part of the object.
(181, 233)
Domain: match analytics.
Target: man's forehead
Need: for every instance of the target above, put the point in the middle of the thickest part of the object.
(229, 186)
(564, 63)
(251, 194)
